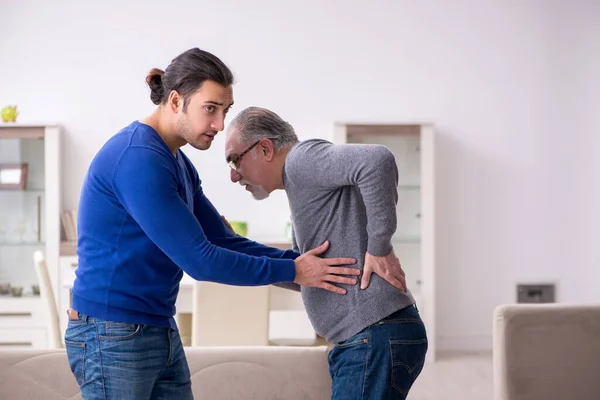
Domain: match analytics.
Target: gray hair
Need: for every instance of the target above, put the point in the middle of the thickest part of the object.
(255, 123)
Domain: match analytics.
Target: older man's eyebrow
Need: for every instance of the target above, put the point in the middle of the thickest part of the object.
(231, 157)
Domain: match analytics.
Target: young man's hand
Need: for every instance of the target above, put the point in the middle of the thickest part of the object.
(227, 224)
(387, 267)
(318, 272)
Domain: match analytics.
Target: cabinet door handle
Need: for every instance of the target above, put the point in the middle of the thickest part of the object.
(15, 314)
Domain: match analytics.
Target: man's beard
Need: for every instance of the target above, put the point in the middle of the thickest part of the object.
(197, 142)
(258, 192)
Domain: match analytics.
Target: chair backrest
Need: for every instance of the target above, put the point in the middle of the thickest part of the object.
(49, 301)
(225, 315)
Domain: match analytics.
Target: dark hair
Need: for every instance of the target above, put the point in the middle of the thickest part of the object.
(186, 73)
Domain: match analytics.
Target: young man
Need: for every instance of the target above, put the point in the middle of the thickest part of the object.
(346, 193)
(143, 221)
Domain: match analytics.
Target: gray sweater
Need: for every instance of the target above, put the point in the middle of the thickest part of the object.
(346, 194)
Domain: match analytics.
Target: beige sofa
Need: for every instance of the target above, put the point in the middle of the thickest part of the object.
(547, 352)
(265, 373)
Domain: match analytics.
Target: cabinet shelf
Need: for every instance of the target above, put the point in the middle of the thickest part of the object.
(21, 194)
(409, 187)
(405, 239)
(32, 190)
(24, 243)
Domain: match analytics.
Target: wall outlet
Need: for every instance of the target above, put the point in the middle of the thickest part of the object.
(536, 293)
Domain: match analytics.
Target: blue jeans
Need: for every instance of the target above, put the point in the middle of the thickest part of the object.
(114, 360)
(382, 361)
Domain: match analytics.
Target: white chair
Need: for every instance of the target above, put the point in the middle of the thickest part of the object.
(226, 315)
(49, 301)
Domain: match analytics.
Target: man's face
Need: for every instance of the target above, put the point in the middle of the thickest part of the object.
(246, 164)
(205, 114)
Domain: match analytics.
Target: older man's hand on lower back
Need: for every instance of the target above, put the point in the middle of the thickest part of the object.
(387, 267)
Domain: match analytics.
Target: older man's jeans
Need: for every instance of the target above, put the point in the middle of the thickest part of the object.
(382, 361)
(113, 360)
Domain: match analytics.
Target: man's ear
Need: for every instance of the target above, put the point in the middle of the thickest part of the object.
(266, 146)
(174, 101)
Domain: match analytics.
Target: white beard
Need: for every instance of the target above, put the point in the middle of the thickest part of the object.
(258, 192)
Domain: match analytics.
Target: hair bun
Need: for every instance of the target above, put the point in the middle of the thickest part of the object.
(154, 81)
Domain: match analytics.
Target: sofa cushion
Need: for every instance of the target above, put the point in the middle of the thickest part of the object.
(266, 373)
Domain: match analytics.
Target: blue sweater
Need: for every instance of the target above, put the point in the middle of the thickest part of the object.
(143, 219)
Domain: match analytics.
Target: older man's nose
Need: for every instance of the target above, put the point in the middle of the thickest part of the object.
(234, 176)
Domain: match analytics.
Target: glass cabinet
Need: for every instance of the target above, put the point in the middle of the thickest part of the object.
(29, 206)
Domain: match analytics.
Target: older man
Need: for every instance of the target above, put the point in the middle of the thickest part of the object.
(347, 194)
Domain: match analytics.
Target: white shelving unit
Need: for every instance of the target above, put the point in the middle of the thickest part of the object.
(414, 240)
(29, 221)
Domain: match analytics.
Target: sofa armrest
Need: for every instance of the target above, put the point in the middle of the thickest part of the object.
(546, 351)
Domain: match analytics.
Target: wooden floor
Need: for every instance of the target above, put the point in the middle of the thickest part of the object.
(455, 377)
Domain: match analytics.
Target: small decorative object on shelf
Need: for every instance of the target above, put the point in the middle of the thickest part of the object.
(4, 289)
(16, 291)
(239, 227)
(35, 289)
(9, 114)
(13, 176)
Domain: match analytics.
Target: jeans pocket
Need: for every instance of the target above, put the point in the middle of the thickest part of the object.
(76, 322)
(76, 355)
(408, 358)
(115, 331)
(361, 338)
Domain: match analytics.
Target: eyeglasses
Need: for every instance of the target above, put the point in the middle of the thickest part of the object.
(234, 164)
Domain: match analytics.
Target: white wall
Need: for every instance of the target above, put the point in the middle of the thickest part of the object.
(511, 85)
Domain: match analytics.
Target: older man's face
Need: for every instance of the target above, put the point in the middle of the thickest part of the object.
(243, 163)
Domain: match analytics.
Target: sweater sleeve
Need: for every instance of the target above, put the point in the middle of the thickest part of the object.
(323, 166)
(145, 183)
(291, 286)
(220, 235)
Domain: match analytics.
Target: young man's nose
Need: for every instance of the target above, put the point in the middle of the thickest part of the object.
(218, 124)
